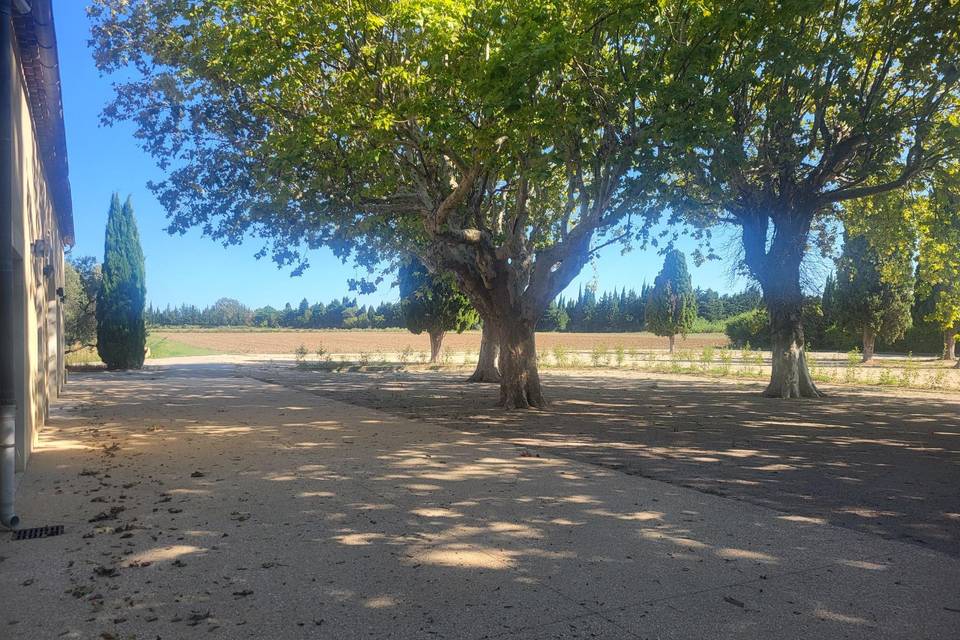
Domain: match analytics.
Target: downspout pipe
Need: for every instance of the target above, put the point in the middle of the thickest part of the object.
(8, 401)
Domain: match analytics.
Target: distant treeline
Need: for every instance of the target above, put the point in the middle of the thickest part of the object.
(344, 313)
(611, 311)
(624, 310)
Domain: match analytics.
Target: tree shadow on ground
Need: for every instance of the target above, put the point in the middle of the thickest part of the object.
(233, 505)
(889, 465)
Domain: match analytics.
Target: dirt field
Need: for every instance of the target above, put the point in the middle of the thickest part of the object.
(887, 463)
(698, 354)
(394, 341)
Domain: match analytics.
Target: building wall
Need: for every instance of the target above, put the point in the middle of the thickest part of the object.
(39, 313)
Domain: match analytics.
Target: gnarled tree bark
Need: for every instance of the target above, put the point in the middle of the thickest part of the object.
(790, 376)
(436, 341)
(869, 344)
(950, 344)
(776, 266)
(487, 370)
(520, 383)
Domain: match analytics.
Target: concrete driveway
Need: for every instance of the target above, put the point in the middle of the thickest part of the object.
(199, 503)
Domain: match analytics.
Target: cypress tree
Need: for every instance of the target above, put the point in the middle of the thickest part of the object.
(873, 293)
(672, 305)
(121, 331)
(433, 303)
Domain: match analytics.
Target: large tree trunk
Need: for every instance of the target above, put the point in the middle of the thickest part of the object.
(790, 376)
(949, 344)
(486, 370)
(869, 343)
(774, 260)
(519, 378)
(436, 340)
(673, 343)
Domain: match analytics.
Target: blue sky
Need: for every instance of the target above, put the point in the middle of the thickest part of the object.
(195, 270)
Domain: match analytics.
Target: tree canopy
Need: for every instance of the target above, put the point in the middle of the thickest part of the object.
(501, 141)
(505, 142)
(810, 104)
(937, 214)
(82, 278)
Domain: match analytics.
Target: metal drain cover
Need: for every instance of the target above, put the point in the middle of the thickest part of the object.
(38, 532)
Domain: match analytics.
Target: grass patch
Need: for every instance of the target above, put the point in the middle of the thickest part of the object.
(160, 347)
(163, 347)
(80, 357)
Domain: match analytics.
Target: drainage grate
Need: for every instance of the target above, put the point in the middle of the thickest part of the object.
(38, 532)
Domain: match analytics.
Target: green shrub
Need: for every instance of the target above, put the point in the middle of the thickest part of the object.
(886, 378)
(300, 353)
(599, 356)
(619, 355)
(706, 356)
(749, 328)
(726, 360)
(560, 356)
(702, 325)
(920, 338)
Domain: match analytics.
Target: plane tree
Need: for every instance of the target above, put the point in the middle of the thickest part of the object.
(504, 142)
(809, 105)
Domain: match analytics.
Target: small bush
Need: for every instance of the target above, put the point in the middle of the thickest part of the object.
(853, 357)
(599, 357)
(619, 355)
(560, 356)
(937, 380)
(850, 374)
(726, 360)
(300, 353)
(886, 378)
(706, 356)
(909, 374)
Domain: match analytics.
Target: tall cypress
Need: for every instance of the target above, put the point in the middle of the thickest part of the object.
(671, 305)
(121, 331)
